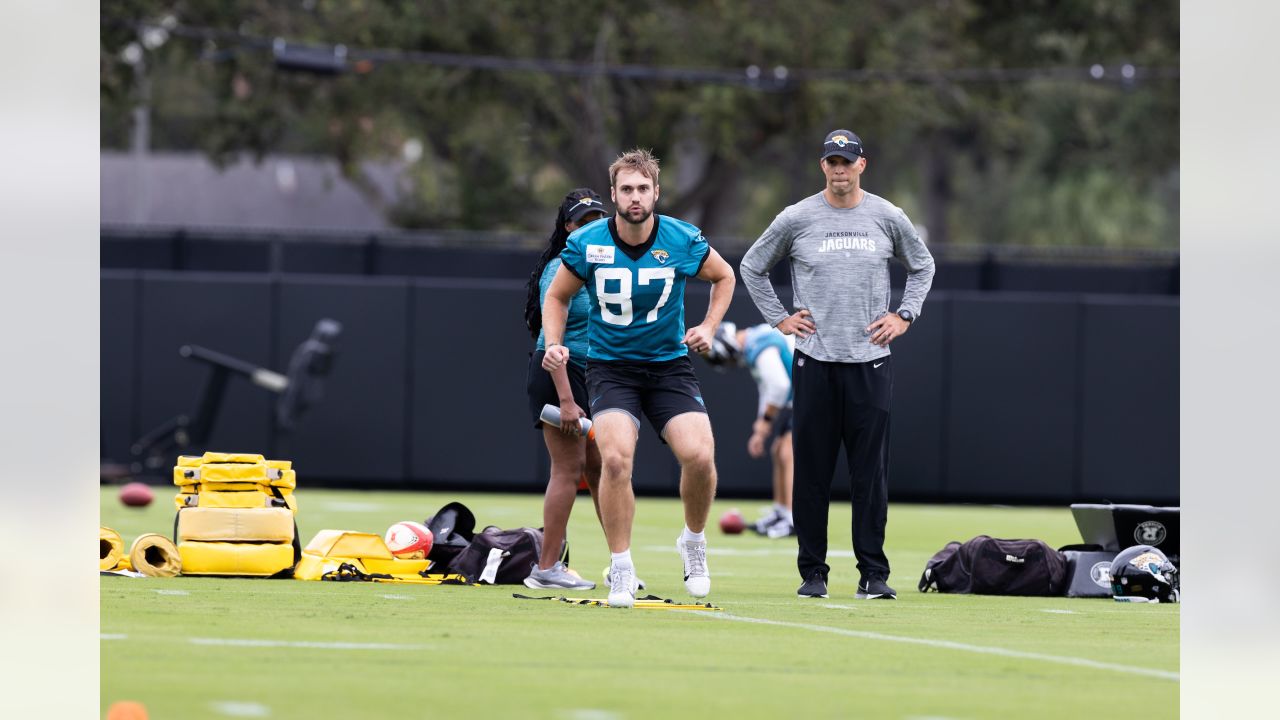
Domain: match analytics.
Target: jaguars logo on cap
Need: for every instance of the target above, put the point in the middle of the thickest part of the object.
(661, 256)
(841, 140)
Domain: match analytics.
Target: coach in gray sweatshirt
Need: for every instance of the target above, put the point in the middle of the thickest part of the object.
(840, 242)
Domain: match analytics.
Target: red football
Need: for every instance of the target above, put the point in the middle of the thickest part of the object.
(135, 494)
(731, 523)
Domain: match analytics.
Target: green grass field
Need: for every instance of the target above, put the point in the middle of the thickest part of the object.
(215, 648)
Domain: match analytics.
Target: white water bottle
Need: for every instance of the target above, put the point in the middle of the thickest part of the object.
(551, 416)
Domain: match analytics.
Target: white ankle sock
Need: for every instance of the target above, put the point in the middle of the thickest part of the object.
(691, 535)
(623, 559)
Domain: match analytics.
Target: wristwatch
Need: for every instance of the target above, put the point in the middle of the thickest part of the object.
(906, 315)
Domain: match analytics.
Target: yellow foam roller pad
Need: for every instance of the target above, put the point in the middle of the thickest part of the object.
(110, 548)
(155, 556)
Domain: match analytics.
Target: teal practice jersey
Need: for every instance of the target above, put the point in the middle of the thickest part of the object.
(760, 338)
(637, 293)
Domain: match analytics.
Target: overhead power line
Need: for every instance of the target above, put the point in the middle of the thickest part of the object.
(337, 58)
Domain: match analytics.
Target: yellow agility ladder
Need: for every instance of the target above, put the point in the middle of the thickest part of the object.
(236, 515)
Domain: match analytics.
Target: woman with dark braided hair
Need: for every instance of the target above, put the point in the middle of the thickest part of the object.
(572, 456)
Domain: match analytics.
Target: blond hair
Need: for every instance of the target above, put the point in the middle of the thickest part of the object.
(639, 160)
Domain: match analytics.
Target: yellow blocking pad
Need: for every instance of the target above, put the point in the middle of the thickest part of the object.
(234, 468)
(330, 549)
(155, 556)
(255, 524)
(216, 499)
(110, 548)
(228, 558)
(218, 457)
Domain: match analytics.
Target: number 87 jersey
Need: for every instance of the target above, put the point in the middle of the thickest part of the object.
(637, 291)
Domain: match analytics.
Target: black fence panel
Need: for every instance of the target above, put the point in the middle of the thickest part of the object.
(920, 390)
(230, 314)
(998, 397)
(485, 255)
(358, 432)
(1129, 405)
(469, 355)
(1012, 402)
(118, 365)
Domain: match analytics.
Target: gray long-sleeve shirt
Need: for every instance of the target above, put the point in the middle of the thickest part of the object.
(839, 271)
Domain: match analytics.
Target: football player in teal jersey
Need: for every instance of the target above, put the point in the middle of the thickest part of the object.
(634, 267)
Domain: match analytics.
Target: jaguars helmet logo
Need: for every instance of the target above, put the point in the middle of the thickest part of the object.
(661, 256)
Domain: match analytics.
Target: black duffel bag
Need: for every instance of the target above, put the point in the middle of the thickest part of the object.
(452, 529)
(991, 566)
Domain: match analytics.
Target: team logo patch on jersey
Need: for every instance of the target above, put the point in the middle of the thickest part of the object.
(602, 254)
(661, 256)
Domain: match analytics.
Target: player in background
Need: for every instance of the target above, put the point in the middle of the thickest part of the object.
(767, 353)
(572, 456)
(635, 266)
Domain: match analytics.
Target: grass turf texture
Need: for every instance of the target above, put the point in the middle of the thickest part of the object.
(477, 652)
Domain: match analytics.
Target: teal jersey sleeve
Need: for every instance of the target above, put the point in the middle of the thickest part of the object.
(574, 257)
(575, 328)
(696, 255)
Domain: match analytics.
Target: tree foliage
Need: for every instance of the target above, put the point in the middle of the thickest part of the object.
(1038, 158)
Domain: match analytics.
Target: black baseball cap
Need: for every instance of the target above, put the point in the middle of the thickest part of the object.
(580, 203)
(843, 143)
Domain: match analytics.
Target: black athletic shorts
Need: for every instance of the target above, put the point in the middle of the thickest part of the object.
(781, 424)
(542, 389)
(658, 390)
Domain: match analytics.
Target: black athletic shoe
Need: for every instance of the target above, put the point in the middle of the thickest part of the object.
(814, 587)
(875, 590)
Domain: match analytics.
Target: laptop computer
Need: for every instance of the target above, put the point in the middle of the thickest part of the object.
(1116, 527)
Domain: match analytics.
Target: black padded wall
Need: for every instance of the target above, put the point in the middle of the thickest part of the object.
(998, 397)
(359, 430)
(1013, 395)
(1129, 405)
(118, 396)
(227, 313)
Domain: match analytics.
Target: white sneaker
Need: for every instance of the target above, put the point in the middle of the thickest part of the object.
(697, 580)
(762, 525)
(780, 529)
(639, 580)
(622, 587)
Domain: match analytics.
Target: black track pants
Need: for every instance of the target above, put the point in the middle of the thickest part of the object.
(841, 403)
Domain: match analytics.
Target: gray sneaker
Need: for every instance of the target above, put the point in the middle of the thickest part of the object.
(556, 577)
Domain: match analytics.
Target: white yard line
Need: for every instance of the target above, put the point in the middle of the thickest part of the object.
(398, 597)
(713, 549)
(171, 592)
(589, 714)
(253, 642)
(949, 645)
(236, 708)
